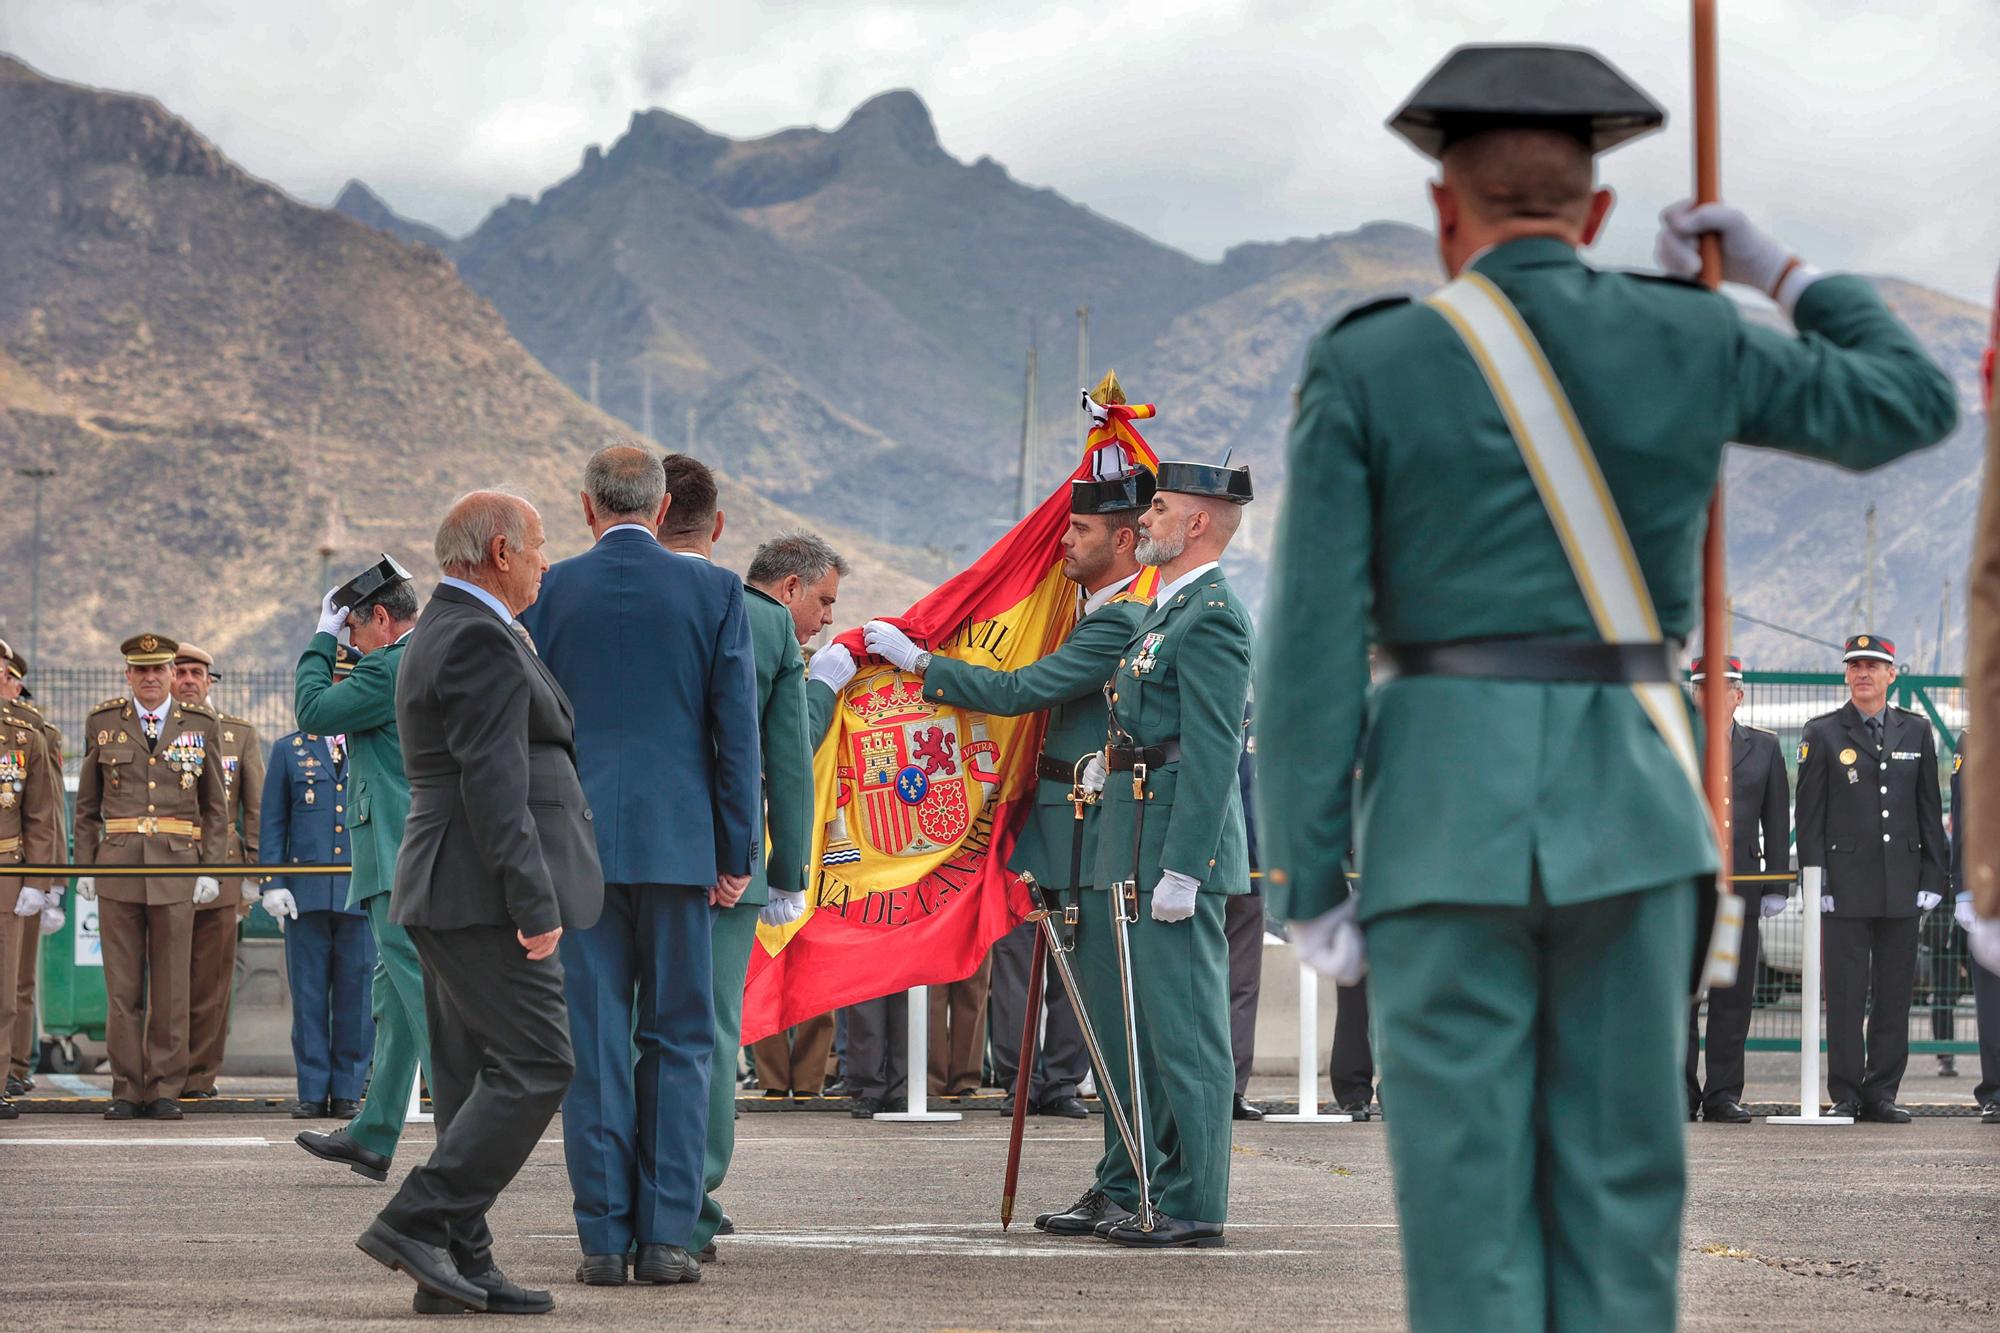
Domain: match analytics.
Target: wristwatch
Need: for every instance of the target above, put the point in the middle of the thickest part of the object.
(922, 664)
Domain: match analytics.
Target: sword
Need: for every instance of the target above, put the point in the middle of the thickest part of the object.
(1023, 1081)
(1125, 911)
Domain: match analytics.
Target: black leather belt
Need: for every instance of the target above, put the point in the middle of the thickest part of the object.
(1056, 770)
(1124, 758)
(1548, 660)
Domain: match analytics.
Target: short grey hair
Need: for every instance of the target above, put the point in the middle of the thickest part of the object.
(802, 553)
(465, 538)
(622, 480)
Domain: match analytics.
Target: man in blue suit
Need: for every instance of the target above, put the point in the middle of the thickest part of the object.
(654, 651)
(329, 953)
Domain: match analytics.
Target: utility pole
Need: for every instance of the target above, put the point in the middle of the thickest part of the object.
(593, 381)
(38, 475)
(690, 433)
(646, 401)
(1944, 631)
(1024, 494)
(1083, 357)
(1868, 579)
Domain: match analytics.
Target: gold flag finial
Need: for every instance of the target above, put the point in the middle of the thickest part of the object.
(1108, 391)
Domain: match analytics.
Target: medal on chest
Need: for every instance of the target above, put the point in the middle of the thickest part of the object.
(13, 768)
(1148, 658)
(187, 755)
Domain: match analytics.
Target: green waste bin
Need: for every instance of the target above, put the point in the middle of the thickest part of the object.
(72, 985)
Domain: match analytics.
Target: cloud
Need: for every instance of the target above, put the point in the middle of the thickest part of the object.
(1851, 129)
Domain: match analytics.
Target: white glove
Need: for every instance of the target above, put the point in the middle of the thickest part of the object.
(783, 909)
(249, 889)
(1983, 934)
(206, 890)
(1748, 255)
(332, 619)
(1173, 896)
(1825, 903)
(1331, 944)
(30, 903)
(1771, 904)
(52, 920)
(1094, 773)
(1962, 913)
(1926, 901)
(280, 904)
(891, 644)
(832, 666)
(86, 888)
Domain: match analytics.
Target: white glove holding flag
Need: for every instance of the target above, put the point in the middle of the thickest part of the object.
(1771, 904)
(1094, 773)
(52, 920)
(783, 909)
(832, 666)
(30, 903)
(1173, 896)
(1984, 937)
(206, 890)
(280, 904)
(1961, 912)
(1331, 944)
(86, 888)
(332, 619)
(891, 644)
(1749, 256)
(1926, 901)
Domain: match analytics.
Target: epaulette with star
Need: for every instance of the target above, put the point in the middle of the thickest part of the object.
(119, 702)
(199, 710)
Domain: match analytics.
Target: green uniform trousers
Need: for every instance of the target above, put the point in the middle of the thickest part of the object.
(1180, 981)
(1534, 1058)
(402, 1034)
(732, 937)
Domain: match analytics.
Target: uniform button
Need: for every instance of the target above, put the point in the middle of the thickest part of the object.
(151, 762)
(1885, 814)
(150, 809)
(1885, 791)
(1885, 837)
(336, 851)
(338, 787)
(1725, 823)
(151, 785)
(338, 829)
(1121, 661)
(340, 809)
(1114, 696)
(1725, 800)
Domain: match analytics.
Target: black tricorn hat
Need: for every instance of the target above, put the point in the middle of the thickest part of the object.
(1112, 495)
(370, 581)
(1567, 88)
(1220, 483)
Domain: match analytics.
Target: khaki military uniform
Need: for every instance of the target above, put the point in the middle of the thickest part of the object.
(30, 832)
(212, 960)
(139, 804)
(23, 1048)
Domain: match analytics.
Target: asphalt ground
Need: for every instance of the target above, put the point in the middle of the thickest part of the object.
(219, 1221)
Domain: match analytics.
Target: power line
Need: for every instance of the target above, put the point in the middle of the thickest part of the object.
(1782, 629)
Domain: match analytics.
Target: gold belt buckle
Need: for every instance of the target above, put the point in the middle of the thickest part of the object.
(149, 824)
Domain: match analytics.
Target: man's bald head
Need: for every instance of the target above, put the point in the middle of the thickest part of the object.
(1500, 185)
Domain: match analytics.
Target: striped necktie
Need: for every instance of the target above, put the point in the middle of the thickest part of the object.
(521, 632)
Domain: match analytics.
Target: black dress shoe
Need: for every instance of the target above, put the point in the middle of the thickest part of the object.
(1726, 1113)
(1848, 1109)
(337, 1147)
(505, 1296)
(706, 1253)
(725, 1227)
(425, 1303)
(121, 1109)
(665, 1265)
(429, 1266)
(200, 1095)
(1947, 1066)
(343, 1108)
(18, 1086)
(1243, 1110)
(163, 1108)
(303, 1110)
(1167, 1233)
(1991, 1115)
(864, 1108)
(1072, 1108)
(9, 1111)
(777, 1094)
(1358, 1112)
(1887, 1113)
(836, 1088)
(1083, 1216)
(601, 1270)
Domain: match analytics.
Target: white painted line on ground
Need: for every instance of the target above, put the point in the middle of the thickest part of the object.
(120, 1141)
(1030, 1244)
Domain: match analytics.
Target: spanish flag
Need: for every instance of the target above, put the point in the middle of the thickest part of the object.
(918, 804)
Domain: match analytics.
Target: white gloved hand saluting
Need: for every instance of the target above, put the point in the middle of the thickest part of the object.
(1749, 256)
(1982, 934)
(206, 890)
(783, 909)
(1094, 773)
(891, 644)
(1331, 944)
(30, 903)
(52, 919)
(1926, 901)
(1771, 904)
(332, 619)
(280, 904)
(832, 666)
(1173, 896)
(86, 888)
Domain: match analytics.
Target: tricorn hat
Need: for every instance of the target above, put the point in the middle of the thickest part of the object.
(1567, 88)
(1220, 483)
(1112, 495)
(370, 581)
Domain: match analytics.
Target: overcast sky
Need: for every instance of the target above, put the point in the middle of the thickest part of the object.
(1866, 135)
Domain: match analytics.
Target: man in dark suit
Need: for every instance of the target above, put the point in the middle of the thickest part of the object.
(1759, 825)
(1870, 814)
(497, 862)
(654, 647)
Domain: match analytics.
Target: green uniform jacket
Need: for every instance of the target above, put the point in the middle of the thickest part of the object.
(1069, 682)
(781, 722)
(1408, 504)
(822, 702)
(1183, 677)
(364, 708)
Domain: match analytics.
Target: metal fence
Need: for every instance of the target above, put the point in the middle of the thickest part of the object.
(1941, 1019)
(66, 698)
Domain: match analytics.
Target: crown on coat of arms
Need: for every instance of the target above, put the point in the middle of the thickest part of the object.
(896, 701)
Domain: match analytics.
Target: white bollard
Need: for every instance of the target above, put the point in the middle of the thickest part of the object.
(918, 1065)
(1811, 879)
(417, 1115)
(1309, 1112)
